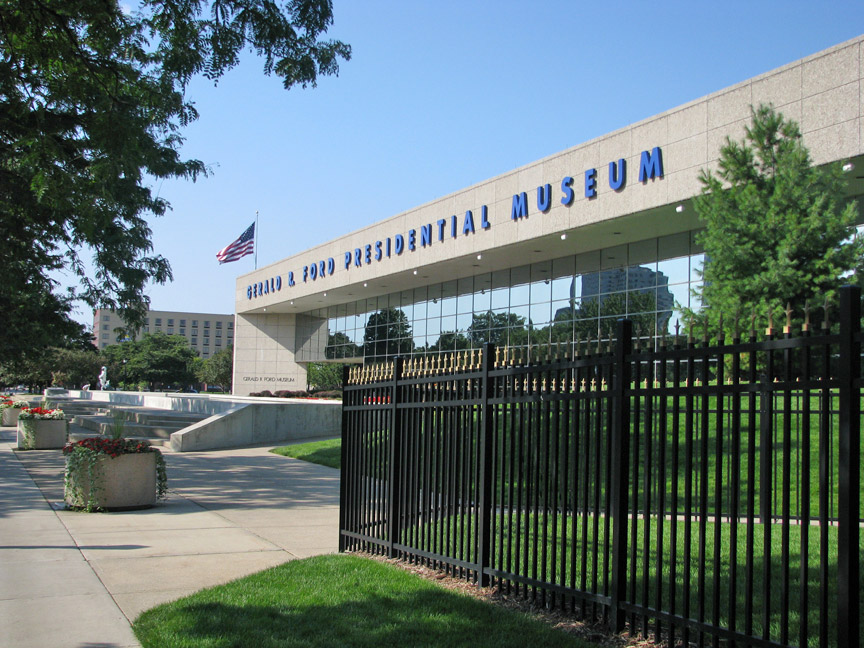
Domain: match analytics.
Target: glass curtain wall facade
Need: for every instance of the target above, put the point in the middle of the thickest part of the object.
(529, 308)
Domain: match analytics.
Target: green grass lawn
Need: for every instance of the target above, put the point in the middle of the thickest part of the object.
(538, 540)
(326, 453)
(338, 600)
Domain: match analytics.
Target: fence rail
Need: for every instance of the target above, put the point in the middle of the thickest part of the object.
(695, 492)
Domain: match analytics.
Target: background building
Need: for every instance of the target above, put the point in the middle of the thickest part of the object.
(550, 253)
(207, 333)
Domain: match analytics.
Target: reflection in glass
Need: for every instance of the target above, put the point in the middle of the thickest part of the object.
(520, 295)
(448, 306)
(500, 298)
(544, 304)
(677, 270)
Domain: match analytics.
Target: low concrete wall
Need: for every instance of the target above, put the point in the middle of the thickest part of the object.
(256, 423)
(235, 421)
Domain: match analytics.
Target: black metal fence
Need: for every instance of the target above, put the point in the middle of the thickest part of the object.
(695, 492)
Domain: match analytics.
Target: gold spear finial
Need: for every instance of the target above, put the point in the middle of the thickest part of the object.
(788, 328)
(770, 330)
(806, 326)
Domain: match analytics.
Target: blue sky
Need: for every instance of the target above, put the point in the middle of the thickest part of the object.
(438, 96)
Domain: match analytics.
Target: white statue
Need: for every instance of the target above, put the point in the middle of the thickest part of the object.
(103, 378)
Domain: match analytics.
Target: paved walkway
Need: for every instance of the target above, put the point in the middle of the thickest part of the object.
(80, 579)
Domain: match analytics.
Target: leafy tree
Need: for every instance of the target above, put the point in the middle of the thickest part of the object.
(493, 327)
(388, 333)
(93, 106)
(596, 317)
(339, 345)
(218, 369)
(156, 359)
(450, 341)
(34, 371)
(74, 368)
(324, 375)
(776, 227)
(64, 358)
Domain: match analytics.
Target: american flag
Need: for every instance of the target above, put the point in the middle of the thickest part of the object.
(239, 248)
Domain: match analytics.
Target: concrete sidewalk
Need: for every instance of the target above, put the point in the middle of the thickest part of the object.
(80, 579)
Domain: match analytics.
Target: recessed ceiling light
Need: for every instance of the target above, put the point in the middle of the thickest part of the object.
(679, 208)
(564, 236)
(848, 167)
(415, 272)
(365, 284)
(479, 256)
(325, 294)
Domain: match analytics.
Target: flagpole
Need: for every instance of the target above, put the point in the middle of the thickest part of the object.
(257, 238)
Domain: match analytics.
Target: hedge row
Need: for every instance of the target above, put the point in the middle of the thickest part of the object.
(285, 393)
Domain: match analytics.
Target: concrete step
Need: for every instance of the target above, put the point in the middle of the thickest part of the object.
(152, 416)
(82, 433)
(104, 425)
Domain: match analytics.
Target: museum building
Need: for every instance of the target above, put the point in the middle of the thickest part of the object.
(546, 254)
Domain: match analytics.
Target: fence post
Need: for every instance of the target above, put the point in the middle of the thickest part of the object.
(343, 465)
(394, 490)
(848, 505)
(484, 522)
(619, 477)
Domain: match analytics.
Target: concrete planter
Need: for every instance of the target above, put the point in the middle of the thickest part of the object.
(10, 416)
(125, 482)
(41, 434)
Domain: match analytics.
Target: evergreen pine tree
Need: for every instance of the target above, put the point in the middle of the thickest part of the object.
(778, 230)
